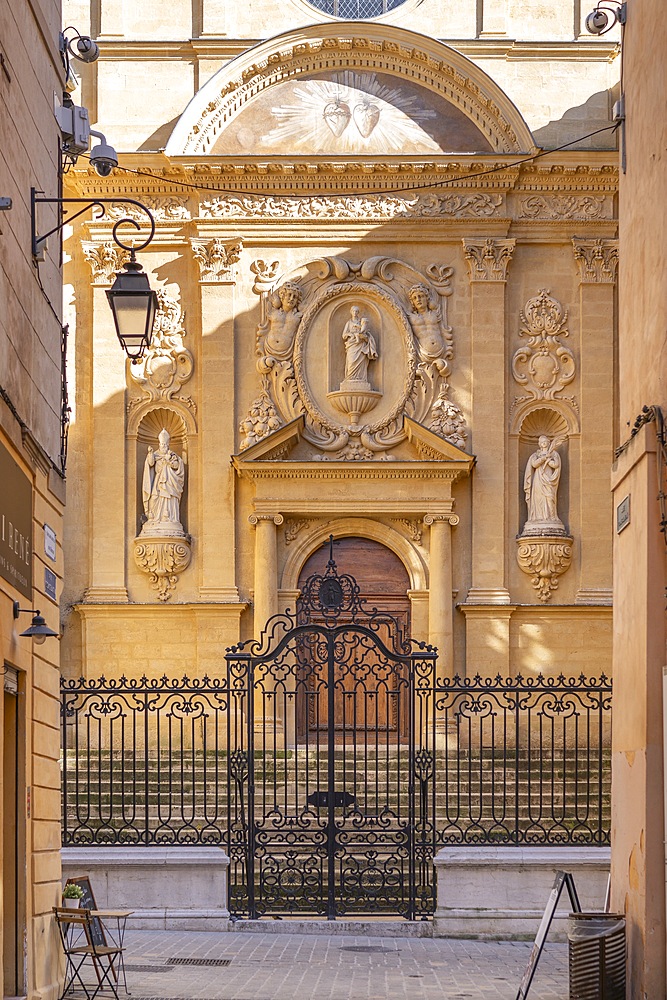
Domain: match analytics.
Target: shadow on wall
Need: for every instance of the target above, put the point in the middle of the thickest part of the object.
(159, 138)
(585, 118)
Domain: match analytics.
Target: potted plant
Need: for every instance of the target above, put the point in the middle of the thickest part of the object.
(72, 895)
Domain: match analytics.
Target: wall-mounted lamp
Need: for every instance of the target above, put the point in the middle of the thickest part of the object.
(38, 629)
(133, 302)
(604, 16)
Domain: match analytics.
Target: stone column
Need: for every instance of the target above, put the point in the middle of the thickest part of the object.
(217, 277)
(266, 568)
(488, 260)
(268, 715)
(597, 261)
(440, 601)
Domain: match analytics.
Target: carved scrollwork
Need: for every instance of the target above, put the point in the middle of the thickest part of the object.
(163, 560)
(544, 560)
(544, 365)
(168, 364)
(562, 207)
(352, 207)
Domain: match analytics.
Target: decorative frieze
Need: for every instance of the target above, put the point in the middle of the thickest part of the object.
(216, 259)
(105, 260)
(163, 208)
(353, 207)
(488, 259)
(597, 260)
(544, 365)
(563, 207)
(544, 560)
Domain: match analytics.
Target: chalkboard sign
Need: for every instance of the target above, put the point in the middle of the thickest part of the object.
(563, 879)
(88, 903)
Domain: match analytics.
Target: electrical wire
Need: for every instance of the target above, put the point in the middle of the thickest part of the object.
(379, 191)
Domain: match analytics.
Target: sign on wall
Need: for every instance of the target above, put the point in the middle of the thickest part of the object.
(15, 525)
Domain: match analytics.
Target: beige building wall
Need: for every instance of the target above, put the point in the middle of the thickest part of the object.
(526, 241)
(32, 496)
(640, 573)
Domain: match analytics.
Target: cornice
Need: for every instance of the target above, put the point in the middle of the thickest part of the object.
(587, 50)
(415, 507)
(134, 611)
(341, 471)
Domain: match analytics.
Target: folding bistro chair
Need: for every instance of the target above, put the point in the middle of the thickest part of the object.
(81, 943)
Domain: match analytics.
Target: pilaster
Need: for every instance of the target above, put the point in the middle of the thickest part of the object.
(107, 522)
(488, 261)
(597, 261)
(217, 277)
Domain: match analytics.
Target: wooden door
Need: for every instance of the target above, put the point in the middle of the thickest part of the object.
(369, 693)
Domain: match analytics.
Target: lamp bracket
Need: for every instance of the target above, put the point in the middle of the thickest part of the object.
(18, 610)
(36, 198)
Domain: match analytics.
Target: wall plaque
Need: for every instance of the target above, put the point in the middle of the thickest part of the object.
(50, 542)
(623, 514)
(15, 525)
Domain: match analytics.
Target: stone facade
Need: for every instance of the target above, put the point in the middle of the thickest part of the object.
(638, 482)
(344, 167)
(32, 496)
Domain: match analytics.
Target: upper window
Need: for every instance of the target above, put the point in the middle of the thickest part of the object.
(356, 10)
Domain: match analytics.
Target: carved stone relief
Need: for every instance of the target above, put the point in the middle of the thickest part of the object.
(489, 259)
(544, 365)
(597, 260)
(168, 364)
(169, 208)
(105, 260)
(381, 329)
(216, 258)
(424, 206)
(163, 561)
(564, 206)
(544, 560)
(292, 528)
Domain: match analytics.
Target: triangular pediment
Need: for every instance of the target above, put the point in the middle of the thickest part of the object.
(350, 89)
(431, 447)
(276, 445)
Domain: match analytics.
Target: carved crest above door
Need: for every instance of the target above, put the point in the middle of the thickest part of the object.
(353, 349)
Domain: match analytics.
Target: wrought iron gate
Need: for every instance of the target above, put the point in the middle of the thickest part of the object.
(331, 762)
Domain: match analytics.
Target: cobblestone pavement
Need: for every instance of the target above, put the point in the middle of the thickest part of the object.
(266, 966)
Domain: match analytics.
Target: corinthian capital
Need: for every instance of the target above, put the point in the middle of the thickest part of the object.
(597, 260)
(488, 260)
(216, 259)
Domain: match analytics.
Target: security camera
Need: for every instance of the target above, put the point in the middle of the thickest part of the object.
(103, 156)
(87, 50)
(597, 22)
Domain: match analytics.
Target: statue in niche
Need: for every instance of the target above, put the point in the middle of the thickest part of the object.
(360, 347)
(434, 340)
(276, 335)
(540, 485)
(162, 489)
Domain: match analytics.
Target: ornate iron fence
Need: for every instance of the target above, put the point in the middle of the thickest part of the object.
(332, 762)
(503, 761)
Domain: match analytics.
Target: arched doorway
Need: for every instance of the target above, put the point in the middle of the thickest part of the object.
(383, 584)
